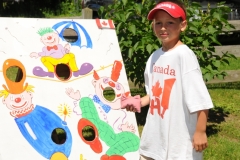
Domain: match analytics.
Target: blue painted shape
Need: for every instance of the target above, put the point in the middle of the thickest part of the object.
(43, 121)
(61, 26)
(105, 107)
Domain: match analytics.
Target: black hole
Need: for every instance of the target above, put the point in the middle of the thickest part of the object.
(59, 136)
(63, 71)
(14, 73)
(109, 94)
(88, 133)
(70, 35)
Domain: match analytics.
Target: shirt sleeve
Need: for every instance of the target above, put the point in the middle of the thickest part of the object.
(196, 95)
(147, 76)
(149, 69)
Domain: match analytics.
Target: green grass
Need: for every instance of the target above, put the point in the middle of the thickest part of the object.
(233, 65)
(224, 122)
(223, 128)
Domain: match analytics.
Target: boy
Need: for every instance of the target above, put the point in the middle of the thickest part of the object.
(176, 93)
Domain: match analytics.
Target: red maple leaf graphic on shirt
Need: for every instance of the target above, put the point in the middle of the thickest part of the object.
(156, 89)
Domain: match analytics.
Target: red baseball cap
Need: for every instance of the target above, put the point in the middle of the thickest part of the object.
(171, 8)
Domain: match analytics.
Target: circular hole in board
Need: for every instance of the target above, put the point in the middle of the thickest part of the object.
(14, 74)
(88, 133)
(109, 94)
(70, 35)
(63, 72)
(59, 136)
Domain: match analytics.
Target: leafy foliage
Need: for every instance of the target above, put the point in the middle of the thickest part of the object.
(135, 35)
(137, 40)
(42, 8)
(202, 34)
(66, 8)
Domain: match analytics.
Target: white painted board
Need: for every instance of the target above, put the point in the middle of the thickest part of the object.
(41, 101)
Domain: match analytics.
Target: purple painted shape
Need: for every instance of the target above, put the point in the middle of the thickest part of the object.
(50, 74)
(84, 69)
(38, 71)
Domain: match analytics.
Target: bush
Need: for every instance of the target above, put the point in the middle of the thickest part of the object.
(137, 41)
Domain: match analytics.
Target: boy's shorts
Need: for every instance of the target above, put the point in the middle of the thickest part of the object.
(145, 158)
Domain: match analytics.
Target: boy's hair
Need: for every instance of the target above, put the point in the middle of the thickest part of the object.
(178, 2)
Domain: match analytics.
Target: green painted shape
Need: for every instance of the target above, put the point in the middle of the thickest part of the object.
(119, 143)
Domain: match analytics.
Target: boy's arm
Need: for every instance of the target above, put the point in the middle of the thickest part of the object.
(200, 136)
(145, 101)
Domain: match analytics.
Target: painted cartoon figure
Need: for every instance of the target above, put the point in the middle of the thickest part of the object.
(54, 53)
(119, 136)
(36, 123)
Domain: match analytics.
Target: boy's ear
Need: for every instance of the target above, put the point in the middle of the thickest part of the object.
(183, 25)
(153, 28)
(152, 25)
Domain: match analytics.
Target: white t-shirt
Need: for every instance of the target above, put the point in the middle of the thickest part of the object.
(174, 82)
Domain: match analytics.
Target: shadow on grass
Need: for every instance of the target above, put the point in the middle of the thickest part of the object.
(227, 85)
(215, 117)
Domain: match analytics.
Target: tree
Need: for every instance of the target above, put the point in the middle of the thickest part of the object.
(137, 41)
(40, 9)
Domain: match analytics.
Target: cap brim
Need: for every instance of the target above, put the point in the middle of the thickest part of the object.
(153, 12)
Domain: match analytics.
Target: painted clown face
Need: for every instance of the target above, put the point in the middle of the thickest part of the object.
(19, 103)
(50, 39)
(106, 82)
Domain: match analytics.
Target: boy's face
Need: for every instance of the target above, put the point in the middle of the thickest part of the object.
(167, 28)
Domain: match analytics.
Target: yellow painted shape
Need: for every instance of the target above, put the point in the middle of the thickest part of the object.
(58, 156)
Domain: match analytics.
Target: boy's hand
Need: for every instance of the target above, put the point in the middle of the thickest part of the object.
(132, 104)
(131, 108)
(199, 141)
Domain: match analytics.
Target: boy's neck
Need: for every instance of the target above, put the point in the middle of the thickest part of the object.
(170, 46)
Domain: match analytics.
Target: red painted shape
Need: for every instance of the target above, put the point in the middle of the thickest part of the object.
(17, 100)
(112, 84)
(98, 23)
(110, 22)
(104, 23)
(112, 157)
(168, 83)
(96, 145)
(157, 106)
(116, 69)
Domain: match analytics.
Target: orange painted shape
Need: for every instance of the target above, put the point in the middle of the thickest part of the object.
(14, 87)
(166, 92)
(95, 75)
(96, 145)
(116, 69)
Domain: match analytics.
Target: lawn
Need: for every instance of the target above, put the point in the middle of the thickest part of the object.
(223, 128)
(234, 65)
